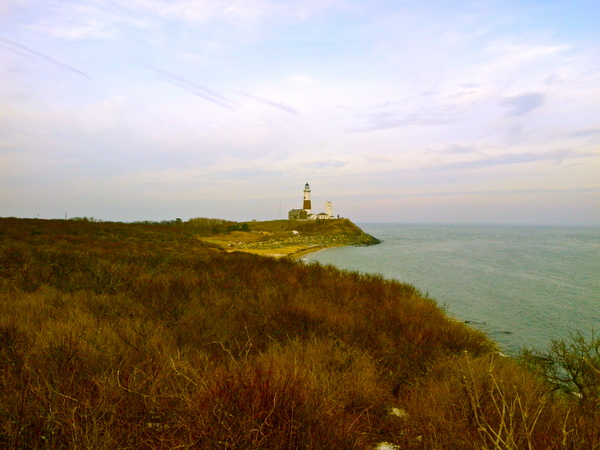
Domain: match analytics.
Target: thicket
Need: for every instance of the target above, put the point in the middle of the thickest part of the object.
(238, 227)
(140, 336)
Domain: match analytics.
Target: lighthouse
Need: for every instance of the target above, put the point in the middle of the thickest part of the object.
(305, 213)
(306, 205)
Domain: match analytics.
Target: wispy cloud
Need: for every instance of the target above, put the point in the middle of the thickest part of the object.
(456, 149)
(503, 192)
(328, 164)
(521, 105)
(588, 132)
(377, 159)
(554, 156)
(200, 10)
(195, 88)
(383, 120)
(29, 51)
(268, 102)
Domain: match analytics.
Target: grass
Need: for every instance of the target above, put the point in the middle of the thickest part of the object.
(290, 238)
(146, 336)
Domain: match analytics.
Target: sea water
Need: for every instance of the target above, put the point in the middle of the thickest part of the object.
(523, 285)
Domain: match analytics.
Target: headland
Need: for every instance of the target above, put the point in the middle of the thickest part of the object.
(290, 238)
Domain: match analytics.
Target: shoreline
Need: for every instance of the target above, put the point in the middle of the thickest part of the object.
(286, 252)
(290, 239)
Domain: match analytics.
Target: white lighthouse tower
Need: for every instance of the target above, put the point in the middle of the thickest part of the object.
(306, 206)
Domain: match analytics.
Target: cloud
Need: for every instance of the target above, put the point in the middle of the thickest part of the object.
(329, 164)
(7, 5)
(200, 10)
(77, 19)
(521, 105)
(556, 156)
(425, 115)
(507, 54)
(589, 132)
(195, 88)
(499, 192)
(268, 102)
(377, 159)
(6, 43)
(456, 149)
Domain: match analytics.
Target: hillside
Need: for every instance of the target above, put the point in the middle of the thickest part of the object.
(146, 336)
(290, 237)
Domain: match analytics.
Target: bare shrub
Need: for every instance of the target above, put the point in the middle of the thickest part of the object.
(139, 336)
(572, 366)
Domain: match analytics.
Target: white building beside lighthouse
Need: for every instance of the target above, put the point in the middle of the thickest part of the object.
(306, 212)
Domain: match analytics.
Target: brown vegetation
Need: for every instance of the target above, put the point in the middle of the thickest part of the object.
(143, 336)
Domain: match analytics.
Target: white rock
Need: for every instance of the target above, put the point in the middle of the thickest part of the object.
(397, 412)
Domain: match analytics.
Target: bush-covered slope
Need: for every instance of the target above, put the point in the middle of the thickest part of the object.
(142, 336)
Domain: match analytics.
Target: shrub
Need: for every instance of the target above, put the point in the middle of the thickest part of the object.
(140, 336)
(572, 365)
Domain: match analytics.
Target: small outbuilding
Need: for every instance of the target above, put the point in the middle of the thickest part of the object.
(298, 214)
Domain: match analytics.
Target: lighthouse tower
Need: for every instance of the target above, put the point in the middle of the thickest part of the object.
(306, 205)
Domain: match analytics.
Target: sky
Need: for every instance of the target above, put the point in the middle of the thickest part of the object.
(428, 111)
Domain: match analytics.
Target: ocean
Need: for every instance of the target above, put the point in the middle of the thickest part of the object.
(522, 285)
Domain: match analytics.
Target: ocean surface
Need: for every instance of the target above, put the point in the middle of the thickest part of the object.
(523, 285)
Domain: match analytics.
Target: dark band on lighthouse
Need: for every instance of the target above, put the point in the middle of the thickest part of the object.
(306, 205)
